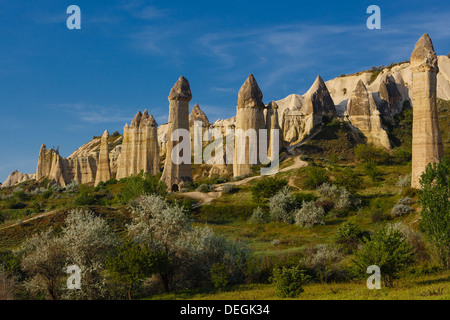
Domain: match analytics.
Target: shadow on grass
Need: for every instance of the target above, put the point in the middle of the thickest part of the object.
(434, 281)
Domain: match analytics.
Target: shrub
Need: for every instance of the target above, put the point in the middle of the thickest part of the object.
(348, 179)
(142, 184)
(371, 169)
(229, 188)
(409, 192)
(400, 210)
(282, 205)
(267, 187)
(405, 200)
(402, 156)
(404, 181)
(309, 215)
(316, 176)
(325, 261)
(370, 153)
(205, 188)
(289, 281)
(85, 198)
(434, 199)
(47, 194)
(219, 275)
(72, 187)
(348, 232)
(339, 196)
(259, 216)
(387, 249)
(56, 188)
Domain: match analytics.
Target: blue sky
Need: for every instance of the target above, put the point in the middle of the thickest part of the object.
(60, 87)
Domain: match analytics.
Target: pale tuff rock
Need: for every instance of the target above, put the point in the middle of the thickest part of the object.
(16, 177)
(301, 113)
(140, 150)
(272, 123)
(52, 166)
(103, 167)
(390, 97)
(175, 175)
(198, 115)
(250, 115)
(363, 114)
(426, 141)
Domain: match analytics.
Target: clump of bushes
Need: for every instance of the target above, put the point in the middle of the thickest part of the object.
(229, 188)
(205, 188)
(402, 207)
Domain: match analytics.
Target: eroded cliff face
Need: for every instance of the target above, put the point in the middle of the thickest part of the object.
(362, 112)
(301, 113)
(140, 149)
(17, 177)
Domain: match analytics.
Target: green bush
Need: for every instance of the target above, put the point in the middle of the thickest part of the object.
(387, 249)
(84, 198)
(219, 275)
(267, 187)
(348, 235)
(370, 153)
(289, 281)
(259, 216)
(347, 178)
(136, 186)
(434, 199)
(316, 176)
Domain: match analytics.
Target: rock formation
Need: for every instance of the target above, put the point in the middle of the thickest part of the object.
(272, 123)
(301, 113)
(177, 174)
(250, 115)
(103, 166)
(52, 166)
(140, 150)
(391, 99)
(363, 114)
(426, 138)
(16, 177)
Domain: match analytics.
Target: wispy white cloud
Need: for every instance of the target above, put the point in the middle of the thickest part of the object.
(93, 113)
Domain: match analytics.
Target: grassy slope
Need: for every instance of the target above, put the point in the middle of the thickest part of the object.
(428, 287)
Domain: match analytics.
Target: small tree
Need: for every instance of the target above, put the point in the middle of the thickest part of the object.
(316, 176)
(44, 259)
(132, 264)
(289, 282)
(434, 199)
(387, 249)
(267, 187)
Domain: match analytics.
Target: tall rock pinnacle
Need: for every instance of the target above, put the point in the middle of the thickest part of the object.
(176, 174)
(426, 137)
(249, 120)
(103, 168)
